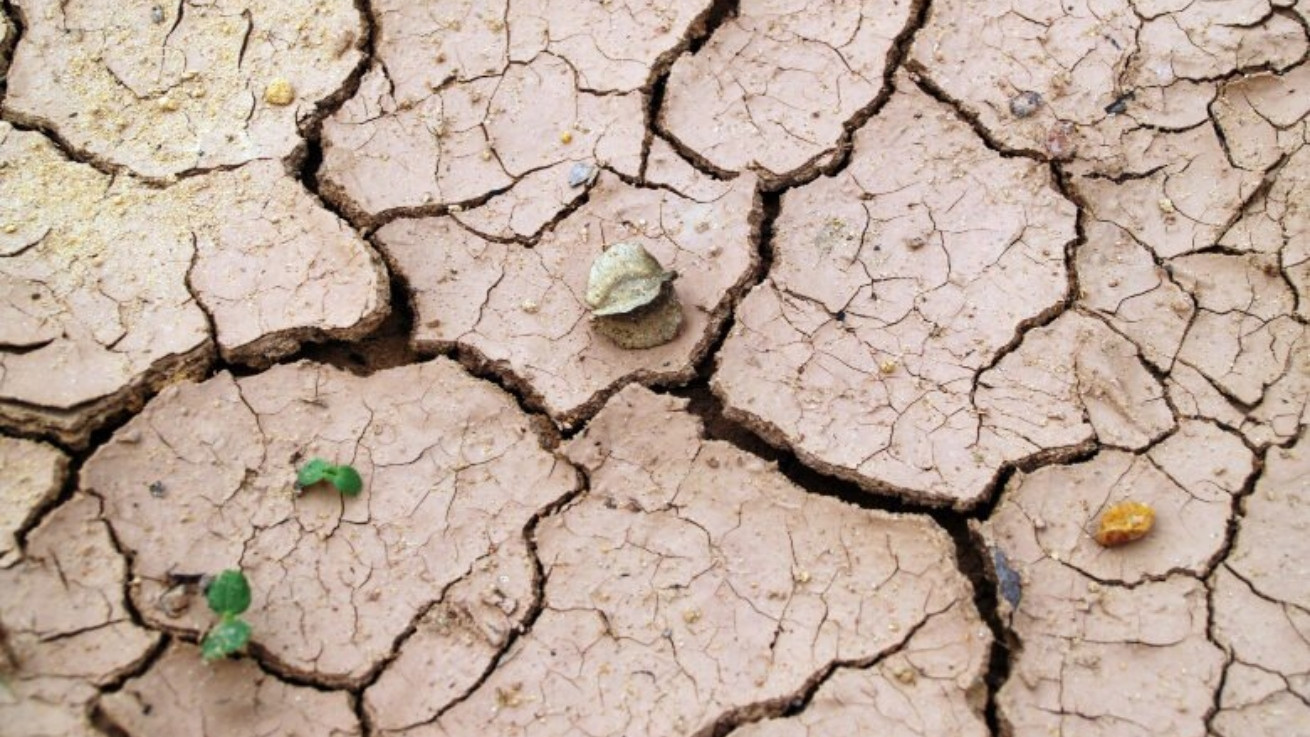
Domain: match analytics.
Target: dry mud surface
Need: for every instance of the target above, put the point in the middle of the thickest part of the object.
(956, 278)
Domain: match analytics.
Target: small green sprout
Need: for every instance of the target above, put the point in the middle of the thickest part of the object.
(344, 477)
(229, 596)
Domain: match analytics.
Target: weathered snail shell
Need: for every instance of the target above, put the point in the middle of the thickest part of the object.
(632, 299)
(624, 278)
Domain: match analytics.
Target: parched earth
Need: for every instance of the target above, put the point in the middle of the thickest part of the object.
(955, 278)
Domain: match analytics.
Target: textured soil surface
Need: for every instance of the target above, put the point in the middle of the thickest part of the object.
(958, 282)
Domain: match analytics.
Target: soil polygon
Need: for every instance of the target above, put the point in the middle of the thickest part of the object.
(471, 100)
(736, 104)
(1118, 636)
(184, 696)
(34, 474)
(66, 629)
(109, 288)
(522, 309)
(660, 617)
(449, 489)
(1116, 71)
(894, 284)
(184, 93)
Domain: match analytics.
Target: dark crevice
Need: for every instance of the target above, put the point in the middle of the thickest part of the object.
(1236, 512)
(129, 562)
(972, 560)
(503, 376)
(8, 15)
(397, 644)
(1235, 515)
(787, 705)
(1058, 182)
(22, 350)
(70, 152)
(387, 346)
(532, 239)
(929, 87)
(718, 426)
(337, 200)
(96, 714)
(895, 60)
(304, 163)
(72, 475)
(698, 32)
(719, 12)
(539, 580)
(769, 207)
(270, 665)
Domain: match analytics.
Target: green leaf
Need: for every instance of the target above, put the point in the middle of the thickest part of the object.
(228, 636)
(313, 472)
(229, 593)
(346, 479)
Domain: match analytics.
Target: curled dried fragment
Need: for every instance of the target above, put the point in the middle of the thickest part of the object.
(1125, 522)
(624, 278)
(632, 299)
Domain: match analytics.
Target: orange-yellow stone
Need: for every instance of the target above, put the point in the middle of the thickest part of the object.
(1125, 522)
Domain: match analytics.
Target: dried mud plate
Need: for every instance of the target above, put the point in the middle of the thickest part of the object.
(660, 617)
(110, 288)
(453, 474)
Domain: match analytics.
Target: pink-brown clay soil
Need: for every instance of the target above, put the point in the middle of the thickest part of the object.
(956, 277)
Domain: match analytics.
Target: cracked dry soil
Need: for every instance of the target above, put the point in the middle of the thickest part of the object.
(956, 277)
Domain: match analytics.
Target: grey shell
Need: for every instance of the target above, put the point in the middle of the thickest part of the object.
(582, 173)
(624, 278)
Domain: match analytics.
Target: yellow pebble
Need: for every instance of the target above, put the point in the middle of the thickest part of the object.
(1125, 522)
(279, 92)
(566, 137)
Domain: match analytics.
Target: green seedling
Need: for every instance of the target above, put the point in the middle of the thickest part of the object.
(344, 477)
(229, 596)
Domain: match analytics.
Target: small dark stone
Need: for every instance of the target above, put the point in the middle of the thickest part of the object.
(157, 15)
(1007, 579)
(1120, 103)
(1025, 103)
(157, 489)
